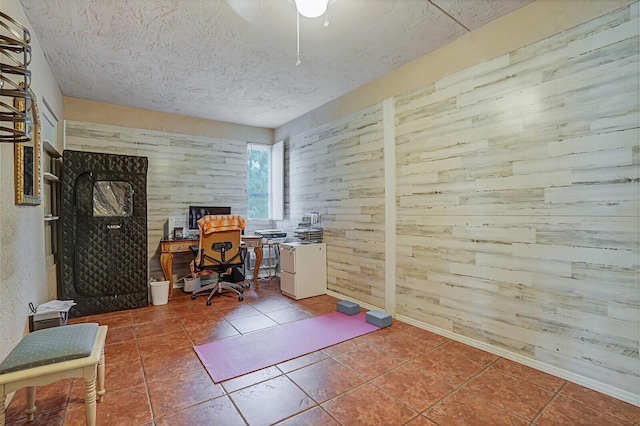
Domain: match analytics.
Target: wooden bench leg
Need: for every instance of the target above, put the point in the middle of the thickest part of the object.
(31, 403)
(3, 397)
(90, 399)
(101, 390)
(93, 375)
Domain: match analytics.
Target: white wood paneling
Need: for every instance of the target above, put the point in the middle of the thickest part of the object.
(530, 240)
(338, 170)
(183, 170)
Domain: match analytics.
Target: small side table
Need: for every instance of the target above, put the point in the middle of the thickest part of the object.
(277, 252)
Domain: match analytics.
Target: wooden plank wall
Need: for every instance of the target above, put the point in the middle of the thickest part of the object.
(183, 170)
(517, 201)
(517, 191)
(517, 187)
(338, 170)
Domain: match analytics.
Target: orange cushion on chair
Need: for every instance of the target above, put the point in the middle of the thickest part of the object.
(214, 223)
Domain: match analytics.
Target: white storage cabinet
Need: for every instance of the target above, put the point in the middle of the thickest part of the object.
(304, 269)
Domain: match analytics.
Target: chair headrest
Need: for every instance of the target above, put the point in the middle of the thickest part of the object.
(213, 223)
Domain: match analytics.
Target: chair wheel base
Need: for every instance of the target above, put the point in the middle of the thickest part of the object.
(240, 298)
(193, 297)
(208, 302)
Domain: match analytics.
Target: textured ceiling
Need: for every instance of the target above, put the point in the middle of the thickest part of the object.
(235, 60)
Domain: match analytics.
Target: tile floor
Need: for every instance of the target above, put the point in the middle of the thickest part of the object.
(394, 376)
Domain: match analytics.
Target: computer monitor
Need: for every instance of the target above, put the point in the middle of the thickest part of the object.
(198, 212)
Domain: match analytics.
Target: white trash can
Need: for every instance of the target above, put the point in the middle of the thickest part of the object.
(191, 284)
(159, 292)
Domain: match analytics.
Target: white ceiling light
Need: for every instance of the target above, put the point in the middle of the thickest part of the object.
(311, 8)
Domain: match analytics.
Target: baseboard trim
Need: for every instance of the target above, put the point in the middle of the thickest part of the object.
(362, 304)
(529, 362)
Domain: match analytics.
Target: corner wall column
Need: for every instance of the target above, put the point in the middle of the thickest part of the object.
(388, 115)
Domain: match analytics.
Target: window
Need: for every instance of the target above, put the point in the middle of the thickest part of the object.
(265, 167)
(112, 199)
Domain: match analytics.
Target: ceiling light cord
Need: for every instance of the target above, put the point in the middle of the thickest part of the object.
(298, 36)
(309, 9)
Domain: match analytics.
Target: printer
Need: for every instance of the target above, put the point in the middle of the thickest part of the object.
(272, 235)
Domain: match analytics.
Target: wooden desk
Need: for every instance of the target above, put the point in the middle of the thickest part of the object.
(171, 246)
(168, 248)
(256, 243)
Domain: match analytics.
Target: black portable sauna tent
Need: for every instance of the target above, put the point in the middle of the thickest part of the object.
(104, 232)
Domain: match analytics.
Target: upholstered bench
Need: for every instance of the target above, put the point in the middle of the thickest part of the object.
(52, 354)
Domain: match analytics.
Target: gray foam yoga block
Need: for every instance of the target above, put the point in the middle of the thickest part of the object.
(378, 318)
(348, 307)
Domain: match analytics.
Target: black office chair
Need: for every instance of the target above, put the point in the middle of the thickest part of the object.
(219, 251)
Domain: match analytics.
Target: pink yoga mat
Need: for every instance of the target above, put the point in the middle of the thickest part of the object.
(235, 356)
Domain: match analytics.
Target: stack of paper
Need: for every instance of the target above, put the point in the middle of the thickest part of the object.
(53, 309)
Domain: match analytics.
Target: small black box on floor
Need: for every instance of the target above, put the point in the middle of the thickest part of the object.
(348, 307)
(378, 318)
(47, 320)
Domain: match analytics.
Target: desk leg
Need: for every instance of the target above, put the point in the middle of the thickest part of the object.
(256, 267)
(166, 259)
(270, 274)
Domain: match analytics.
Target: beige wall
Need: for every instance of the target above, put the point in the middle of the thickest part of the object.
(116, 115)
(524, 26)
(23, 277)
